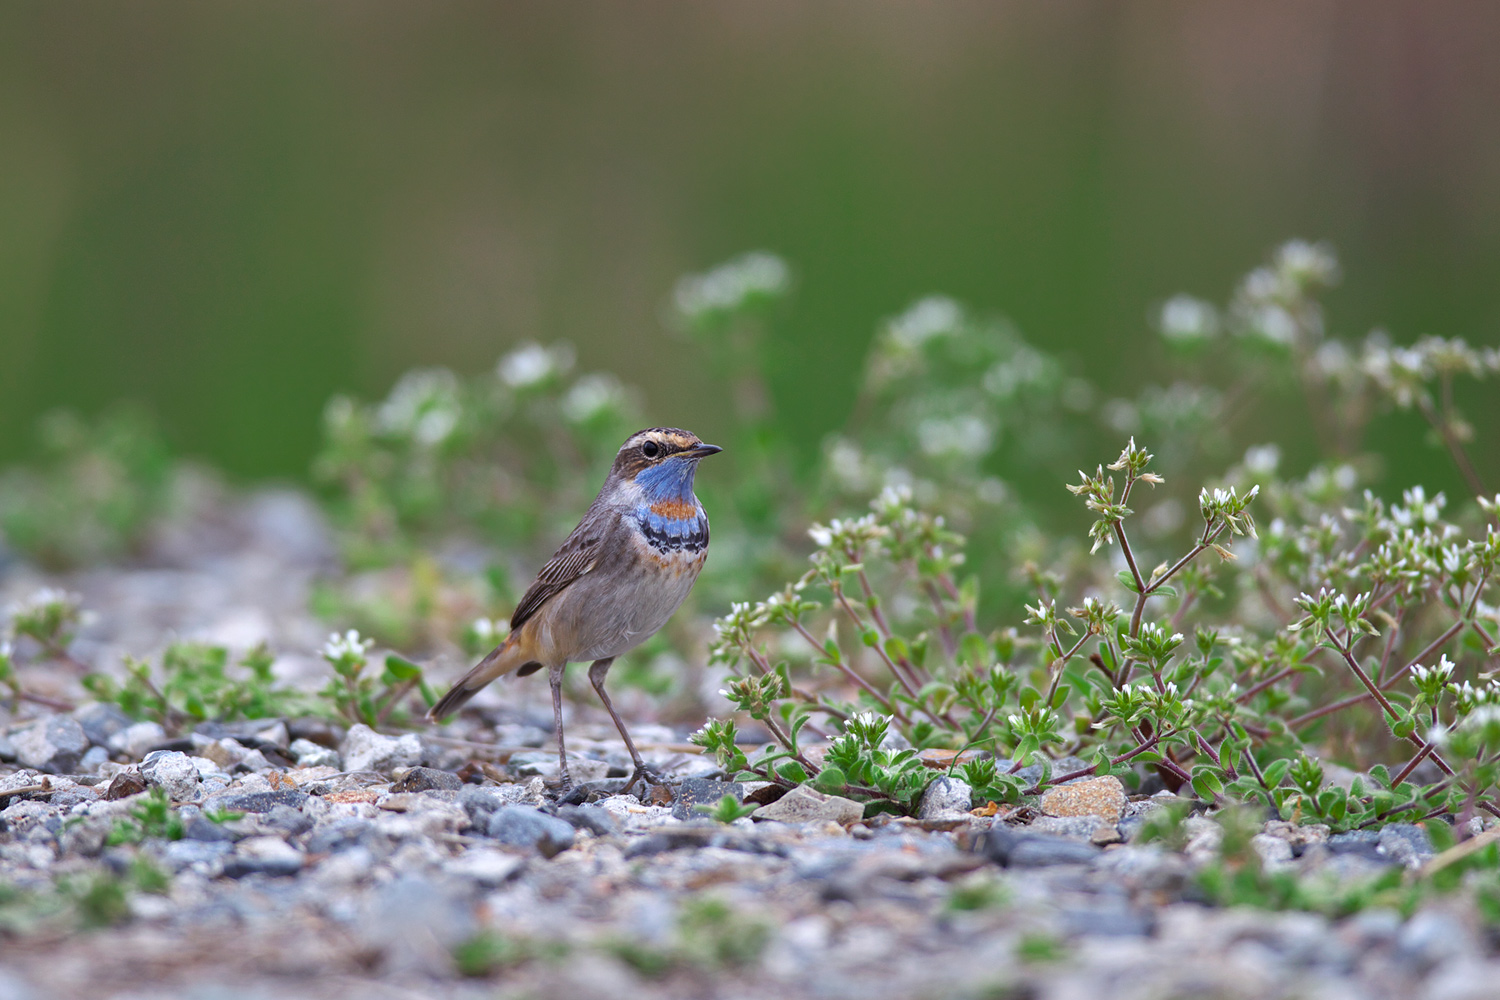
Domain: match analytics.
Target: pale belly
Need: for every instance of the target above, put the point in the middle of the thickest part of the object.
(614, 609)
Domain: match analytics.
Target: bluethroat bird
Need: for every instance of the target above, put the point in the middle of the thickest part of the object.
(614, 581)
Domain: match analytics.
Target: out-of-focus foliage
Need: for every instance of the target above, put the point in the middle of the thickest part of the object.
(93, 493)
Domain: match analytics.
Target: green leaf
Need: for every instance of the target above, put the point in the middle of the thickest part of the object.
(792, 771)
(1276, 770)
(1128, 579)
(1206, 783)
(1165, 590)
(402, 669)
(831, 779)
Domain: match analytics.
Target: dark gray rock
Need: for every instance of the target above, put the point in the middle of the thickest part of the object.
(694, 792)
(55, 744)
(100, 721)
(523, 826)
(339, 835)
(1013, 849)
(1406, 844)
(426, 779)
(288, 819)
(181, 854)
(204, 829)
(1360, 843)
(255, 802)
(263, 856)
(1107, 921)
(597, 821)
(92, 759)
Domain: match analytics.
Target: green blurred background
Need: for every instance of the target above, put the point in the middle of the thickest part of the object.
(232, 210)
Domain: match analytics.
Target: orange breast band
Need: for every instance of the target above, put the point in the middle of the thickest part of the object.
(677, 510)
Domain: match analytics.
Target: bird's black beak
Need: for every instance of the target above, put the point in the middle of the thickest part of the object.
(703, 451)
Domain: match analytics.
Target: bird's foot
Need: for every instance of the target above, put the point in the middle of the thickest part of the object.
(561, 786)
(643, 776)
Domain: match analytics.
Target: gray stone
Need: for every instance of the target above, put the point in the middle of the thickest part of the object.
(366, 750)
(310, 754)
(424, 779)
(137, 740)
(208, 854)
(1055, 768)
(1406, 844)
(694, 792)
(288, 819)
(205, 829)
(101, 721)
(339, 835)
(173, 772)
(7, 748)
(1013, 849)
(806, 805)
(1432, 937)
(595, 819)
(413, 924)
(1361, 843)
(263, 856)
(1272, 850)
(92, 759)
(488, 868)
(944, 797)
(254, 802)
(479, 801)
(523, 826)
(1076, 827)
(55, 744)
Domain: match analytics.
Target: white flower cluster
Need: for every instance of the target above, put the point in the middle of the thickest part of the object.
(350, 645)
(732, 285)
(423, 405)
(1186, 320)
(531, 364)
(593, 396)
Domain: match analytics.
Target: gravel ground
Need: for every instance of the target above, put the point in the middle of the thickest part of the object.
(442, 865)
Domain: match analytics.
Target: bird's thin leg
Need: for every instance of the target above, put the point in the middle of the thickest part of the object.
(555, 678)
(596, 677)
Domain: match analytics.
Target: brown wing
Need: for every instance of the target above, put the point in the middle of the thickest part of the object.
(578, 554)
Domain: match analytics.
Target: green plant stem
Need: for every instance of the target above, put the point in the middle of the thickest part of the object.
(854, 676)
(1444, 427)
(1364, 678)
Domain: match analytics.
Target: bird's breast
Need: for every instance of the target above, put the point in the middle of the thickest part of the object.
(672, 532)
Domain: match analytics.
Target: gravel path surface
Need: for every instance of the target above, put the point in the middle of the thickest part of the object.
(442, 865)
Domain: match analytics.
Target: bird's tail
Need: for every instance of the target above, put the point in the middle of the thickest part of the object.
(511, 655)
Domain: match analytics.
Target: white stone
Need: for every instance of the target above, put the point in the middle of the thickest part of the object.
(134, 741)
(366, 750)
(173, 772)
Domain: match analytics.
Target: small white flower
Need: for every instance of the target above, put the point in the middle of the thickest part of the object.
(531, 364)
(1185, 320)
(349, 644)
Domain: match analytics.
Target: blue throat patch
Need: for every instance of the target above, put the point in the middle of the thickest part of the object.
(671, 480)
(671, 483)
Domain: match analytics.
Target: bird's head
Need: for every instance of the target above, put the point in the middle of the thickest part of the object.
(661, 461)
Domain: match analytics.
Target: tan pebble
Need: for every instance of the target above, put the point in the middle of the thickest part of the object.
(1091, 797)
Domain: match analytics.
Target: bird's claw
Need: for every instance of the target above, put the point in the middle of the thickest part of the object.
(643, 775)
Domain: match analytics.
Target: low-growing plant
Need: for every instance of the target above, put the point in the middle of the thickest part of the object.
(195, 684)
(1344, 609)
(152, 818)
(727, 809)
(360, 697)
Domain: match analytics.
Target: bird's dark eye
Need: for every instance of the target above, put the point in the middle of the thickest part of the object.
(650, 449)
